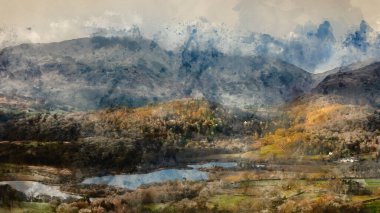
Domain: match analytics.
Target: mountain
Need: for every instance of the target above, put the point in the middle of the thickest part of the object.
(87, 73)
(312, 47)
(358, 86)
(100, 72)
(360, 38)
(339, 118)
(318, 77)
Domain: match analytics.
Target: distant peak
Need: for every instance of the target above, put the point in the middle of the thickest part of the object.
(359, 38)
(364, 27)
(325, 31)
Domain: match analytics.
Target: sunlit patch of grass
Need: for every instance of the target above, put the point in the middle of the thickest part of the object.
(372, 183)
(29, 207)
(273, 150)
(317, 175)
(320, 183)
(361, 198)
(252, 183)
(372, 207)
(156, 207)
(227, 202)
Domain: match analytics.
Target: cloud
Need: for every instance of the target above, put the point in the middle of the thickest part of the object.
(59, 20)
(279, 17)
(370, 11)
(148, 15)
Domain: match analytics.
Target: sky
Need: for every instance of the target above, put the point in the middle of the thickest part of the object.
(57, 20)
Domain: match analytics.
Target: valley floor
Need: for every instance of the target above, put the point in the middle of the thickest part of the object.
(309, 184)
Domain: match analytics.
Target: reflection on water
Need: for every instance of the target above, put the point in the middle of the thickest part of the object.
(135, 180)
(226, 165)
(132, 181)
(34, 189)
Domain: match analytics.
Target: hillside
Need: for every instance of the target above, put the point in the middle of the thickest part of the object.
(359, 86)
(99, 72)
(338, 119)
(319, 77)
(123, 138)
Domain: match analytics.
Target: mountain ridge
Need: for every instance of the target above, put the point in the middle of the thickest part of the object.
(357, 86)
(98, 72)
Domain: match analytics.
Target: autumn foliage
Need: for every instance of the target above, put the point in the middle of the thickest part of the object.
(320, 126)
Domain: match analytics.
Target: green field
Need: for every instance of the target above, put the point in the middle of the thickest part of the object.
(28, 207)
(372, 207)
(372, 183)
